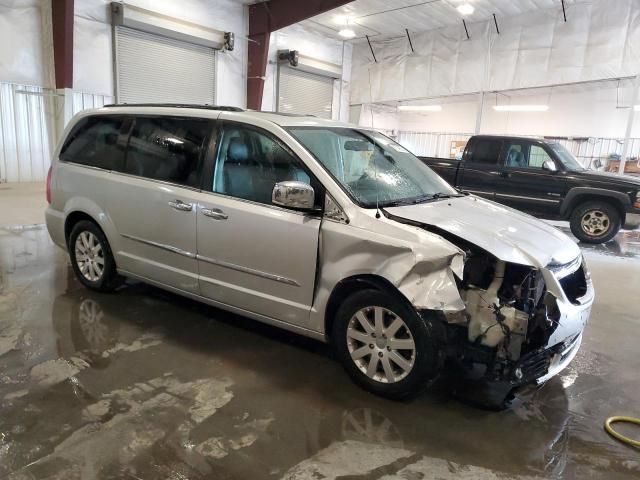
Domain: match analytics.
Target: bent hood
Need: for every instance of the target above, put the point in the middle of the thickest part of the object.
(502, 231)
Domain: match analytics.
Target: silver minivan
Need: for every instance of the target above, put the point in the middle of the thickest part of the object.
(325, 229)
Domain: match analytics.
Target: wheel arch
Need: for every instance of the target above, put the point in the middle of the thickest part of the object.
(350, 285)
(75, 216)
(579, 195)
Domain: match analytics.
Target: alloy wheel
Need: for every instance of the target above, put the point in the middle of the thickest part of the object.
(89, 256)
(380, 344)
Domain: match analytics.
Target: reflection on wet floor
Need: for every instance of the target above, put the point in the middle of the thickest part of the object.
(145, 384)
(625, 244)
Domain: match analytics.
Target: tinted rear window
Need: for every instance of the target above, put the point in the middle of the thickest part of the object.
(94, 142)
(486, 151)
(168, 148)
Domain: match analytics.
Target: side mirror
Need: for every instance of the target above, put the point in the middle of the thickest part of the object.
(549, 165)
(293, 194)
(597, 163)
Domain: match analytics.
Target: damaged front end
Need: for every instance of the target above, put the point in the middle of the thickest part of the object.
(518, 323)
(513, 317)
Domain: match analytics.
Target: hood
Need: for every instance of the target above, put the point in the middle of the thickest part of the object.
(611, 178)
(507, 234)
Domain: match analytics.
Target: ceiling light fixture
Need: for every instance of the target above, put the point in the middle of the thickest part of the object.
(521, 108)
(637, 108)
(465, 9)
(341, 19)
(347, 33)
(420, 108)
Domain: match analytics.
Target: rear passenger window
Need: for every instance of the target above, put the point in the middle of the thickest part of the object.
(168, 148)
(94, 142)
(486, 151)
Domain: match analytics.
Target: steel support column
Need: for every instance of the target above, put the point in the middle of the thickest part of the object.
(62, 20)
(265, 18)
(627, 135)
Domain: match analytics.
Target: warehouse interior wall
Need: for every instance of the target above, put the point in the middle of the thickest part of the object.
(93, 55)
(31, 108)
(597, 112)
(600, 40)
(310, 44)
(537, 59)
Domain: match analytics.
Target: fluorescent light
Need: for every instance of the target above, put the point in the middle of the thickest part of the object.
(347, 33)
(521, 108)
(466, 9)
(420, 108)
(341, 19)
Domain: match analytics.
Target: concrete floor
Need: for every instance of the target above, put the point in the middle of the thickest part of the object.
(145, 384)
(22, 203)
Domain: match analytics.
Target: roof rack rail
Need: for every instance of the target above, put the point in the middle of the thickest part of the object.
(179, 105)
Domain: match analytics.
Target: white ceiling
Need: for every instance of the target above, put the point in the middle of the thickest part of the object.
(385, 18)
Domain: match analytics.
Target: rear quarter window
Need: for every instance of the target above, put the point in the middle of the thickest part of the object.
(94, 142)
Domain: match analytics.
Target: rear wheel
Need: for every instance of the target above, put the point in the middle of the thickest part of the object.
(91, 257)
(384, 345)
(595, 222)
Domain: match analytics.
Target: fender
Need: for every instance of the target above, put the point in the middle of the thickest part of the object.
(89, 207)
(576, 192)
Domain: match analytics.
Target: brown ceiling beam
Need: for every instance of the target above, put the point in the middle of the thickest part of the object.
(265, 18)
(62, 19)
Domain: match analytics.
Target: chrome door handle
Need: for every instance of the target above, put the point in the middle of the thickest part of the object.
(180, 205)
(214, 213)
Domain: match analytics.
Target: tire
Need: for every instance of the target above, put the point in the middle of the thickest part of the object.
(595, 222)
(98, 272)
(396, 382)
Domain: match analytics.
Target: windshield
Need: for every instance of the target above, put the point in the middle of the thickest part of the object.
(566, 157)
(371, 167)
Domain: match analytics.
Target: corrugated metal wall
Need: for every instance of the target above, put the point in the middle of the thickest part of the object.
(25, 140)
(429, 144)
(27, 128)
(83, 101)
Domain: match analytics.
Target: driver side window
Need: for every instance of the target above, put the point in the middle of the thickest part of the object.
(525, 155)
(250, 163)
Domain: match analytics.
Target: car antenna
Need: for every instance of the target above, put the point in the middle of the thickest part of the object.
(373, 157)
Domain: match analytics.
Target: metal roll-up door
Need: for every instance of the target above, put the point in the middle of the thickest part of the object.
(155, 69)
(304, 93)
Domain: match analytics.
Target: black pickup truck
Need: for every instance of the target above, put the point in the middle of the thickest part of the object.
(544, 179)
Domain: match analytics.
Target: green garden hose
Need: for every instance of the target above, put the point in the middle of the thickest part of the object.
(618, 436)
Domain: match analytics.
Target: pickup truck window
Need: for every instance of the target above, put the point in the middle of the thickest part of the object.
(523, 154)
(486, 151)
(371, 167)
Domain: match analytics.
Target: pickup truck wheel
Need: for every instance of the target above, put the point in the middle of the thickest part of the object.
(384, 345)
(595, 222)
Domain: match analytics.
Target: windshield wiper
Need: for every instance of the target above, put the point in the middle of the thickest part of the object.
(420, 199)
(439, 195)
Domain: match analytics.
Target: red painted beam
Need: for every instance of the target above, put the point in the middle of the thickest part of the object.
(267, 17)
(62, 19)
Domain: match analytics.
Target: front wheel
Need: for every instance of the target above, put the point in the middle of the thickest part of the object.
(595, 222)
(384, 345)
(91, 257)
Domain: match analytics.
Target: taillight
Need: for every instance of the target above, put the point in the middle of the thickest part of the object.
(49, 186)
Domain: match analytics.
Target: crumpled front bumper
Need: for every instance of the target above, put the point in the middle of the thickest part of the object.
(564, 342)
(561, 359)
